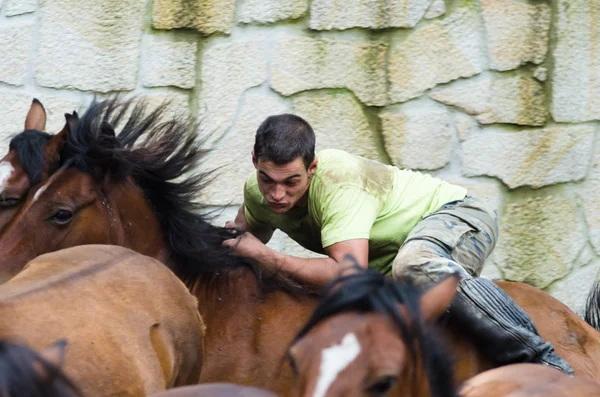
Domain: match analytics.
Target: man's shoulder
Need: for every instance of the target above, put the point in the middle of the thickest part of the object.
(251, 191)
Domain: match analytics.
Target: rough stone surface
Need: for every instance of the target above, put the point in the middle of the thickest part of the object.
(529, 158)
(89, 44)
(541, 238)
(206, 16)
(499, 99)
(301, 64)
(338, 121)
(223, 81)
(465, 125)
(437, 53)
(541, 73)
(15, 43)
(517, 33)
(436, 9)
(232, 153)
(170, 62)
(270, 11)
(18, 7)
(590, 195)
(16, 105)
(576, 71)
(418, 137)
(374, 14)
(572, 290)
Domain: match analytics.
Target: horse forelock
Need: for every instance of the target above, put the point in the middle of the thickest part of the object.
(29, 147)
(162, 154)
(367, 291)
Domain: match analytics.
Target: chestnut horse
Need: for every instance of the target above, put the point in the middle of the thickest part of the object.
(131, 325)
(214, 390)
(29, 159)
(528, 380)
(114, 189)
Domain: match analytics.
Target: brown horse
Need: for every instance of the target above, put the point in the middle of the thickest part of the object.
(132, 327)
(29, 159)
(528, 380)
(115, 189)
(371, 335)
(214, 390)
(24, 372)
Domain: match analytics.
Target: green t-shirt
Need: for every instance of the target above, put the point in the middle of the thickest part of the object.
(352, 197)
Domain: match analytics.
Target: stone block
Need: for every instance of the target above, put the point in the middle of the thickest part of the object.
(372, 14)
(339, 122)
(436, 53)
(231, 156)
(418, 136)
(170, 62)
(436, 9)
(573, 289)
(497, 99)
(270, 11)
(301, 64)
(227, 71)
(576, 72)
(535, 158)
(589, 194)
(18, 7)
(206, 16)
(541, 238)
(15, 44)
(517, 33)
(89, 45)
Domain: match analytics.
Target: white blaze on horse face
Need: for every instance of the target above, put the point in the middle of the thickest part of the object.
(37, 194)
(6, 170)
(334, 360)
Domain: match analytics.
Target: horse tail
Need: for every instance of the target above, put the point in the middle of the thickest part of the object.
(591, 313)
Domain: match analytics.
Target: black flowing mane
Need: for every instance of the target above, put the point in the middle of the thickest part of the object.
(368, 291)
(29, 146)
(163, 156)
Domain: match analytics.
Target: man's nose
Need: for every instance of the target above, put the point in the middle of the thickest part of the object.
(278, 193)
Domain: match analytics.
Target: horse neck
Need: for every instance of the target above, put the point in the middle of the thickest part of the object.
(135, 224)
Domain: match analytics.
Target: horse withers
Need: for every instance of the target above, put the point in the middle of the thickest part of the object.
(132, 327)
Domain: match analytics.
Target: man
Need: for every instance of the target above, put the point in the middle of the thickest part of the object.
(411, 225)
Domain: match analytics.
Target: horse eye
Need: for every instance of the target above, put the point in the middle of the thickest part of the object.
(382, 386)
(8, 202)
(62, 217)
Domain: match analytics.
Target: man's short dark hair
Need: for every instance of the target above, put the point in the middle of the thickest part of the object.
(283, 138)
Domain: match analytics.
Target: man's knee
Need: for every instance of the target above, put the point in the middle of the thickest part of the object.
(413, 255)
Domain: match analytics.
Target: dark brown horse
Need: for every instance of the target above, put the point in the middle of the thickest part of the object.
(137, 189)
(29, 159)
(24, 372)
(131, 325)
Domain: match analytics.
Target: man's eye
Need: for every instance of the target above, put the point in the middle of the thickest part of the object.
(291, 183)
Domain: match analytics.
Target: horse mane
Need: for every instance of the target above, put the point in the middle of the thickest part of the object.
(368, 291)
(29, 146)
(25, 373)
(591, 313)
(163, 156)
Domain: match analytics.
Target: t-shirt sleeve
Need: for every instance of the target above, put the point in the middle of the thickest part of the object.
(347, 213)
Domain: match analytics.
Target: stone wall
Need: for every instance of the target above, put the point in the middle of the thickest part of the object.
(502, 96)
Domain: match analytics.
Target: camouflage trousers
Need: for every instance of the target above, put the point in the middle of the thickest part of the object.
(456, 239)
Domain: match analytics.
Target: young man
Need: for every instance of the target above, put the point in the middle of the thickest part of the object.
(400, 222)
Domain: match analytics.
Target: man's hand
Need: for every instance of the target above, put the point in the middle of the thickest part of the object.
(246, 246)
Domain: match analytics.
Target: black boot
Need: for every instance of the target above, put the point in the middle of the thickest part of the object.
(499, 327)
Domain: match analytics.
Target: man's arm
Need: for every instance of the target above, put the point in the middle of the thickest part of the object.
(314, 271)
(241, 223)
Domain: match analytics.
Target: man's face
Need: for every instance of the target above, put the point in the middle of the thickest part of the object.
(283, 186)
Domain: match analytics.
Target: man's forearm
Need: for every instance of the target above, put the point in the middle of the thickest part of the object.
(316, 272)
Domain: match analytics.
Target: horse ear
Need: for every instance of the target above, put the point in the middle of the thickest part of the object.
(107, 129)
(55, 353)
(53, 147)
(36, 117)
(435, 301)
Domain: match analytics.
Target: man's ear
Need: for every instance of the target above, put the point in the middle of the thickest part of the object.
(254, 160)
(312, 168)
